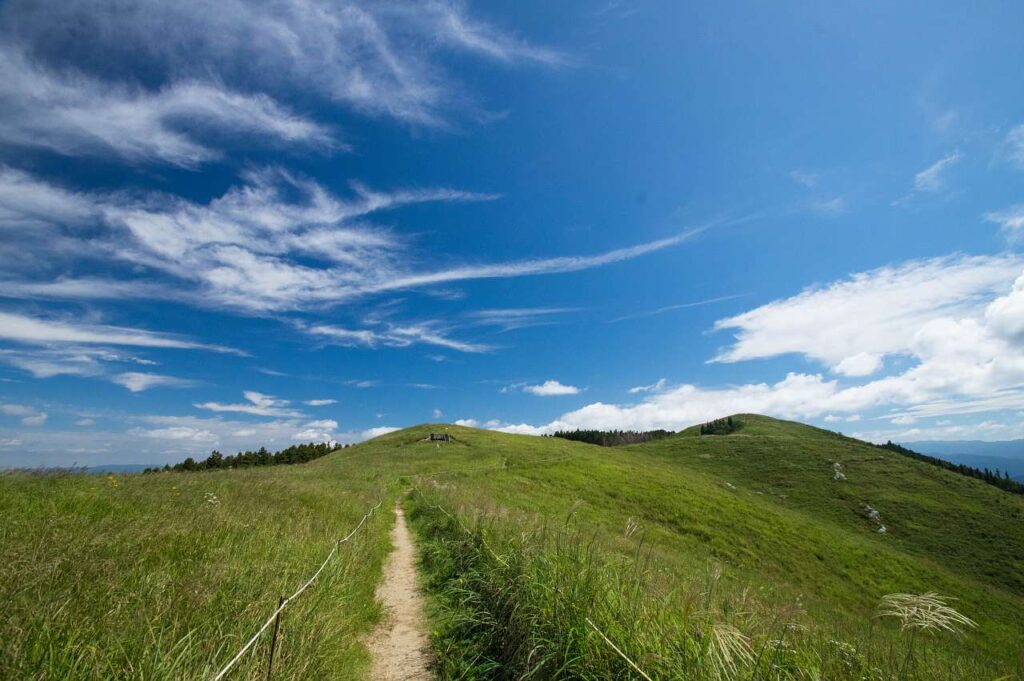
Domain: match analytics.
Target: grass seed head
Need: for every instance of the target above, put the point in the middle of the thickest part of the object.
(928, 612)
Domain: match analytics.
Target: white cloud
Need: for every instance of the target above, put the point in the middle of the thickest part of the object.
(320, 403)
(30, 416)
(27, 203)
(85, 422)
(394, 336)
(258, 404)
(468, 423)
(33, 330)
(371, 433)
(850, 325)
(317, 431)
(861, 364)
(509, 319)
(276, 243)
(804, 178)
(677, 306)
(656, 387)
(137, 382)
(75, 115)
(551, 388)
(16, 410)
(832, 418)
(1015, 145)
(377, 58)
(932, 178)
(197, 435)
(1011, 220)
(966, 352)
(833, 206)
(437, 414)
(167, 439)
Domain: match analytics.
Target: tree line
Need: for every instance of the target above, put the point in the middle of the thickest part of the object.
(612, 438)
(720, 426)
(1000, 480)
(300, 453)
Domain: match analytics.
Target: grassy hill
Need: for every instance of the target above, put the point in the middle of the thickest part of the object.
(716, 556)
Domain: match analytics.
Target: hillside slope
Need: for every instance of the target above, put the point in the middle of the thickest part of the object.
(764, 505)
(128, 576)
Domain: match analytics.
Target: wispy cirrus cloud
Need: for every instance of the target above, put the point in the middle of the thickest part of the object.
(137, 381)
(932, 179)
(392, 335)
(35, 330)
(380, 59)
(1014, 145)
(678, 306)
(508, 319)
(256, 404)
(75, 115)
(277, 243)
(1010, 220)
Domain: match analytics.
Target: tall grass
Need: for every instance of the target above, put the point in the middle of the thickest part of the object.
(166, 576)
(551, 602)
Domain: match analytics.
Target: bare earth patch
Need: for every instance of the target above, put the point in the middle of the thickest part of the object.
(400, 647)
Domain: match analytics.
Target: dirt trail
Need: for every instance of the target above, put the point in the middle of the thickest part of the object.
(399, 647)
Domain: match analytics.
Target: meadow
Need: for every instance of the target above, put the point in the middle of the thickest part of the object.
(690, 557)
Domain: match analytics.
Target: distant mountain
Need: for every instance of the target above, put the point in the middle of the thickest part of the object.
(1007, 455)
(120, 468)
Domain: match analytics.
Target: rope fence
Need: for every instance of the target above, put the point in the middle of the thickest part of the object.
(285, 601)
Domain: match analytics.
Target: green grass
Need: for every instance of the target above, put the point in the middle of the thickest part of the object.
(670, 547)
(143, 577)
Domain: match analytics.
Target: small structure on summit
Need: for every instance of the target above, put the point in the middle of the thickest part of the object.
(440, 437)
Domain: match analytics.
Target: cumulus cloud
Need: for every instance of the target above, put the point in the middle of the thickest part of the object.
(964, 342)
(850, 325)
(371, 433)
(551, 388)
(317, 431)
(320, 403)
(30, 416)
(159, 439)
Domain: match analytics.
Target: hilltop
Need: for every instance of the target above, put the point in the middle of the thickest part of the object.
(769, 533)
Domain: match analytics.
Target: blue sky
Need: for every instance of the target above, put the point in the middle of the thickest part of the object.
(235, 224)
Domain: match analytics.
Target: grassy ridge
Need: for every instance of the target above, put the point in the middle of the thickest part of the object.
(764, 506)
(743, 534)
